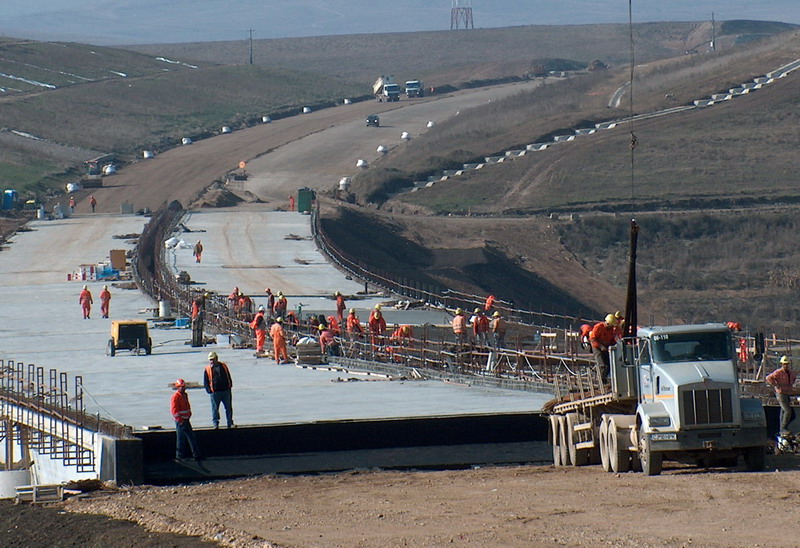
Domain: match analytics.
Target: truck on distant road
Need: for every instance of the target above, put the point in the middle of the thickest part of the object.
(414, 88)
(386, 89)
(674, 395)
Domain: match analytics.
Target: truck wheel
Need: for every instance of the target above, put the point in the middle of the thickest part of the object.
(618, 455)
(149, 347)
(755, 458)
(578, 457)
(651, 462)
(562, 440)
(110, 349)
(605, 463)
(554, 437)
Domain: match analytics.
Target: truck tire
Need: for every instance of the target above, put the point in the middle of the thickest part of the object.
(554, 437)
(111, 349)
(651, 462)
(562, 441)
(619, 457)
(578, 457)
(755, 458)
(604, 462)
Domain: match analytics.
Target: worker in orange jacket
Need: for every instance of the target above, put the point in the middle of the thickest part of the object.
(279, 341)
(401, 337)
(354, 329)
(105, 300)
(340, 307)
(328, 343)
(377, 327)
(480, 327)
(281, 305)
(460, 327)
(602, 336)
(86, 301)
(259, 325)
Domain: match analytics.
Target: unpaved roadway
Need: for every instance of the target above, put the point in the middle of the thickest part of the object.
(507, 506)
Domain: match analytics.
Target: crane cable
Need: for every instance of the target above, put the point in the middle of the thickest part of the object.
(633, 141)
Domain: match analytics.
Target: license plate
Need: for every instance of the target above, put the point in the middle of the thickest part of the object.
(670, 436)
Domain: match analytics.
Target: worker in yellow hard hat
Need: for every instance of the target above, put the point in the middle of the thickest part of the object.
(460, 327)
(353, 326)
(601, 337)
(782, 381)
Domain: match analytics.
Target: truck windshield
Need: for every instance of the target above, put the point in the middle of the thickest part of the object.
(687, 347)
(391, 87)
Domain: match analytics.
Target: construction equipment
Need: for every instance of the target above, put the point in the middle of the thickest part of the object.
(674, 395)
(129, 335)
(386, 89)
(414, 88)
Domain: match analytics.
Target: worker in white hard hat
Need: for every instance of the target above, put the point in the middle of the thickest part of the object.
(218, 383)
(86, 301)
(259, 325)
(278, 336)
(782, 381)
(181, 412)
(601, 337)
(105, 300)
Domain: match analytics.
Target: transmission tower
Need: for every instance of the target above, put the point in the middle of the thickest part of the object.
(461, 12)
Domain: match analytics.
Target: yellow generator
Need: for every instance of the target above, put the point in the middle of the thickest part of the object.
(129, 335)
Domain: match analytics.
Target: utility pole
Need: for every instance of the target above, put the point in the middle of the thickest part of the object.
(713, 33)
(251, 46)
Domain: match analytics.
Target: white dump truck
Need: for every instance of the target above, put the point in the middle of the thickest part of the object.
(675, 395)
(414, 89)
(386, 89)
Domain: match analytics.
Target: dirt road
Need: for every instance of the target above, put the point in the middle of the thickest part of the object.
(508, 506)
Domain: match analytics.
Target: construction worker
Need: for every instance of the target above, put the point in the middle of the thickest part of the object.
(333, 325)
(489, 303)
(198, 317)
(279, 341)
(498, 329)
(280, 306)
(218, 383)
(233, 301)
(340, 307)
(602, 336)
(245, 305)
(400, 338)
(270, 303)
(585, 330)
(353, 326)
(86, 301)
(620, 327)
(460, 327)
(72, 205)
(328, 343)
(181, 412)
(198, 251)
(92, 202)
(105, 299)
(291, 203)
(782, 381)
(259, 325)
(480, 327)
(377, 327)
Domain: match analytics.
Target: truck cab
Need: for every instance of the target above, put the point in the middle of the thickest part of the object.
(689, 408)
(414, 89)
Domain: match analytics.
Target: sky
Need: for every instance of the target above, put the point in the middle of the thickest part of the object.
(114, 22)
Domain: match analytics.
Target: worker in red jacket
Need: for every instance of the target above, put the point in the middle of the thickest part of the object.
(105, 300)
(340, 307)
(86, 301)
(181, 412)
(278, 336)
(480, 327)
(328, 343)
(602, 336)
(354, 329)
(401, 337)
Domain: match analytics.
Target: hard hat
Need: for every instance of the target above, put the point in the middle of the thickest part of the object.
(406, 328)
(496, 314)
(212, 355)
(785, 359)
(105, 287)
(352, 311)
(279, 319)
(179, 383)
(261, 308)
(378, 306)
(280, 294)
(86, 287)
(459, 311)
(337, 294)
(206, 294)
(321, 327)
(618, 314)
(611, 319)
(477, 311)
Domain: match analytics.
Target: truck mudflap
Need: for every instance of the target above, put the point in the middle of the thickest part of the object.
(717, 439)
